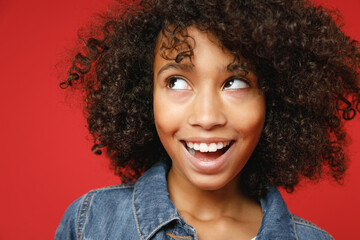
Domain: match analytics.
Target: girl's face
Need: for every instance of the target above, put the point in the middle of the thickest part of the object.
(209, 118)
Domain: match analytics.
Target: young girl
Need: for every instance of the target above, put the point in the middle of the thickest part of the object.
(218, 102)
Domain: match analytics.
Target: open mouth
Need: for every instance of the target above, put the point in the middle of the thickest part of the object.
(207, 151)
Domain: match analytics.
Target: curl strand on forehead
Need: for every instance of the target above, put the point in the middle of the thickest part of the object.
(174, 43)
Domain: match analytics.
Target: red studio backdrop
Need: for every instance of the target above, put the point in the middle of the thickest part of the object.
(46, 162)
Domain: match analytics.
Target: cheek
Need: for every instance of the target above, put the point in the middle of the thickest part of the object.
(250, 119)
(168, 122)
(167, 116)
(160, 115)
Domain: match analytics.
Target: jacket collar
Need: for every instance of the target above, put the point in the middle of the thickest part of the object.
(151, 201)
(153, 208)
(277, 220)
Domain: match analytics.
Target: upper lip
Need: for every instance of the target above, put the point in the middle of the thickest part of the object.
(207, 140)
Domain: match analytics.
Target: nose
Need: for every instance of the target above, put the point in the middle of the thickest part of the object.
(207, 111)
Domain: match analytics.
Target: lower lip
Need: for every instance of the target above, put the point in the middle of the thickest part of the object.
(211, 166)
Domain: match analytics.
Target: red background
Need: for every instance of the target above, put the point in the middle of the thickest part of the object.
(46, 162)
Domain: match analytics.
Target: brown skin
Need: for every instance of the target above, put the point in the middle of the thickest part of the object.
(209, 103)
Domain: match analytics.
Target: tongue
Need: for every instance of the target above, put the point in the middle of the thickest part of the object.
(208, 156)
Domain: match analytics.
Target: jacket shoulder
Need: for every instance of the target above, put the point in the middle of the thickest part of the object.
(109, 201)
(305, 230)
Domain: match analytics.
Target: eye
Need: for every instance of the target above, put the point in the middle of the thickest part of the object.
(236, 83)
(177, 83)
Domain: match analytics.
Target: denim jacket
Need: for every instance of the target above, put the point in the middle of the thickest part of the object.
(143, 210)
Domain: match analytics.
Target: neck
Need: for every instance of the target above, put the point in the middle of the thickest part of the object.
(228, 201)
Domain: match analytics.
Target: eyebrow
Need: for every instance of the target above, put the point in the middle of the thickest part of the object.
(238, 67)
(183, 67)
(234, 68)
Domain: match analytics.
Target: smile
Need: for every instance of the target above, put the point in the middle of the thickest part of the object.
(208, 156)
(206, 147)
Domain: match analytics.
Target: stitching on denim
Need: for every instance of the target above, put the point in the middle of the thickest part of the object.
(304, 222)
(174, 229)
(137, 220)
(87, 207)
(81, 223)
(134, 211)
(79, 219)
(177, 237)
(191, 229)
(118, 186)
(160, 226)
(296, 236)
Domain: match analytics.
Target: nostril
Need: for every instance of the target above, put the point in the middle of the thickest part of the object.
(207, 113)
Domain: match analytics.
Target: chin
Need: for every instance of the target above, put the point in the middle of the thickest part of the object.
(208, 183)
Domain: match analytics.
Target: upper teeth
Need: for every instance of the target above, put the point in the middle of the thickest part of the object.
(207, 147)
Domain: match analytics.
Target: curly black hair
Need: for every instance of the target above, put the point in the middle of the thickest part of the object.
(307, 68)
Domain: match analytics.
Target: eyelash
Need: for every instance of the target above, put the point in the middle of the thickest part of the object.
(237, 78)
(170, 79)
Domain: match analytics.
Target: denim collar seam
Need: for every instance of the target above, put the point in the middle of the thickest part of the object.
(309, 225)
(134, 211)
(191, 228)
(118, 186)
(300, 221)
(157, 228)
(82, 215)
(184, 224)
(267, 205)
(137, 220)
(173, 231)
(293, 222)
